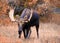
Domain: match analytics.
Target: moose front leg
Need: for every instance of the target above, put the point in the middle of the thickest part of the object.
(19, 30)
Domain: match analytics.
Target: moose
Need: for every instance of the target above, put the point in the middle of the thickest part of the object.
(26, 26)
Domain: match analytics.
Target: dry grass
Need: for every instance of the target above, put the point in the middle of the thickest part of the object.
(48, 33)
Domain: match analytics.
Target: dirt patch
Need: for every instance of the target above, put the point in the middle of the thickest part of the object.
(9, 40)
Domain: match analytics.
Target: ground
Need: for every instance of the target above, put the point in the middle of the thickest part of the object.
(48, 33)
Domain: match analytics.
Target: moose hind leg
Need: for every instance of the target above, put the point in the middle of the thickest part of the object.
(37, 30)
